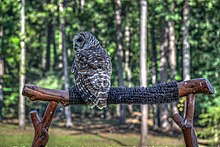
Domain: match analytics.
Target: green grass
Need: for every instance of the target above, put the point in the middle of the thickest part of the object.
(59, 137)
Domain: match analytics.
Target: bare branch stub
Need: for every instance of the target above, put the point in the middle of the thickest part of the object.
(194, 86)
(38, 93)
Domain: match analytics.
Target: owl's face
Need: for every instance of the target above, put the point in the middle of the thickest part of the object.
(84, 40)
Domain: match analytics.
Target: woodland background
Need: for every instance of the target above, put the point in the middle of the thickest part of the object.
(181, 41)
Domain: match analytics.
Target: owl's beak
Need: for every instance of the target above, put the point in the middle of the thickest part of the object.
(76, 47)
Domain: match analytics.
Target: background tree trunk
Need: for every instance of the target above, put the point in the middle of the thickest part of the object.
(172, 58)
(154, 74)
(127, 55)
(65, 63)
(21, 113)
(172, 49)
(186, 46)
(53, 37)
(55, 64)
(143, 70)
(82, 4)
(119, 54)
(164, 124)
(1, 85)
(127, 61)
(49, 31)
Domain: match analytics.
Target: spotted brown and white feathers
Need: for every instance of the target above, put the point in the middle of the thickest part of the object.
(92, 68)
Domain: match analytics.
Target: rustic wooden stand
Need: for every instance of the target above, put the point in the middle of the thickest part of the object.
(186, 88)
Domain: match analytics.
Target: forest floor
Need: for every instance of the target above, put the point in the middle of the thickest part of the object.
(86, 132)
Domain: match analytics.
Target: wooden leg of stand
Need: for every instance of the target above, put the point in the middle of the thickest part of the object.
(186, 125)
(41, 126)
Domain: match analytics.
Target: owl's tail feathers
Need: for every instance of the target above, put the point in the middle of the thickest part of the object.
(89, 101)
(102, 103)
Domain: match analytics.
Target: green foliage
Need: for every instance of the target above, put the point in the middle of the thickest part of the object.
(50, 80)
(210, 120)
(204, 40)
(98, 17)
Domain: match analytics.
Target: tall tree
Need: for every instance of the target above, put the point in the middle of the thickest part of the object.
(21, 113)
(55, 64)
(1, 85)
(81, 8)
(1, 71)
(172, 52)
(65, 62)
(53, 38)
(127, 60)
(186, 46)
(154, 72)
(164, 124)
(127, 55)
(172, 49)
(48, 53)
(119, 54)
(143, 70)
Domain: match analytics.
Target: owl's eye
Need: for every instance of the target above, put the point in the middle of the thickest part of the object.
(79, 39)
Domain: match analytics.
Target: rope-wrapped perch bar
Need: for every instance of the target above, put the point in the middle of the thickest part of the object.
(161, 93)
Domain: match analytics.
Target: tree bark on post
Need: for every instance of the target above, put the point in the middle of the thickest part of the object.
(67, 110)
(21, 107)
(143, 70)
(119, 54)
(186, 46)
(164, 124)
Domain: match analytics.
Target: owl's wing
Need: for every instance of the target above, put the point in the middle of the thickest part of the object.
(73, 67)
(109, 65)
(100, 60)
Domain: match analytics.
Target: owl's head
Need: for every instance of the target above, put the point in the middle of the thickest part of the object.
(84, 40)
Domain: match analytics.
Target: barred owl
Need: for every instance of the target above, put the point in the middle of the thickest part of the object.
(92, 70)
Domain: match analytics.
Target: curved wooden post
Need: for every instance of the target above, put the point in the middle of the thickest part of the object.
(186, 124)
(41, 127)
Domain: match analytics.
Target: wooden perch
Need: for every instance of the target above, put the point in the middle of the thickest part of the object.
(34, 92)
(41, 127)
(43, 94)
(186, 88)
(186, 124)
(195, 86)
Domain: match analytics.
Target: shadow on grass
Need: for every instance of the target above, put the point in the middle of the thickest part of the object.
(99, 127)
